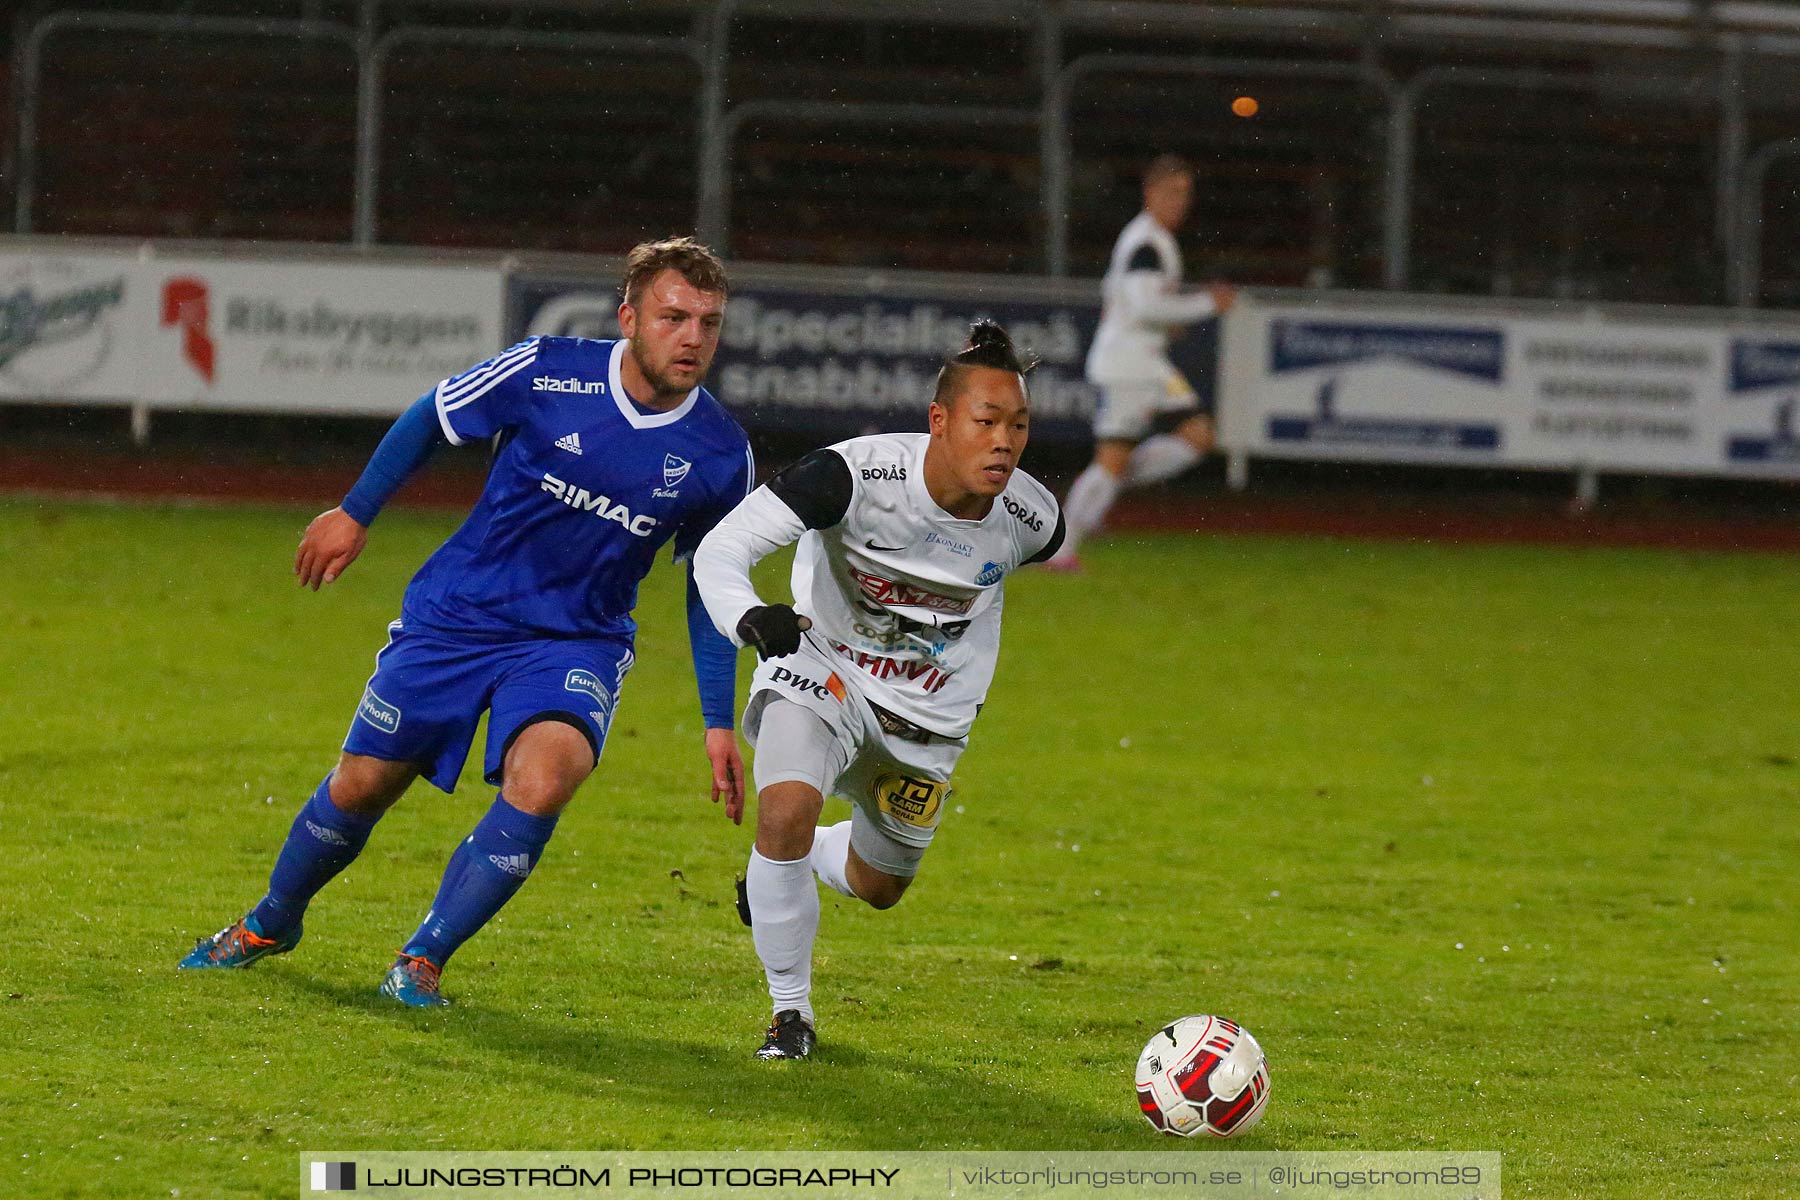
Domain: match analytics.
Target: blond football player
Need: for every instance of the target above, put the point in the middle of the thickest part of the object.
(1141, 392)
(870, 682)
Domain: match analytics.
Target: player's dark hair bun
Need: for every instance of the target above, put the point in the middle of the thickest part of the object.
(984, 333)
(991, 346)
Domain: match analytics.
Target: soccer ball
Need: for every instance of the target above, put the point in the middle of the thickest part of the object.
(1203, 1075)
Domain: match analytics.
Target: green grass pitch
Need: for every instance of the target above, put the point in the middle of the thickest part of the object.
(1493, 848)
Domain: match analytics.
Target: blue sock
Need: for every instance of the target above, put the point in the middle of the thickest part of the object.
(491, 864)
(323, 840)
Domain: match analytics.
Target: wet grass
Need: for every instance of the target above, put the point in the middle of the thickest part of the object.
(1493, 848)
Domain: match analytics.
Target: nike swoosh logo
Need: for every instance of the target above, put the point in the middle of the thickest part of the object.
(884, 549)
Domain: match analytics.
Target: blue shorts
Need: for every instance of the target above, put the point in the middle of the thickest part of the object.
(429, 690)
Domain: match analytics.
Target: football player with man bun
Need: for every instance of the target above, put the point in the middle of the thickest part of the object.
(869, 683)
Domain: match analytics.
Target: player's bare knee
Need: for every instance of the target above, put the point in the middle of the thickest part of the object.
(1114, 457)
(369, 786)
(886, 894)
(547, 760)
(874, 887)
(542, 787)
(539, 795)
(786, 815)
(1197, 432)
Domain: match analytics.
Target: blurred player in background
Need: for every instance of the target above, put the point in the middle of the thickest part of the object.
(905, 541)
(608, 450)
(1129, 360)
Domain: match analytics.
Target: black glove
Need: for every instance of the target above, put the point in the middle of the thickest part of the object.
(774, 629)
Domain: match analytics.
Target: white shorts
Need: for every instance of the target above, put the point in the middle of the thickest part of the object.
(1129, 406)
(897, 787)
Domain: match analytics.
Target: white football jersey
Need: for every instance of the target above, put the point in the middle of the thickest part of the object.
(904, 596)
(1141, 305)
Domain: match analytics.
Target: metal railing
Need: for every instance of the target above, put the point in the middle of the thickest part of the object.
(812, 112)
(1058, 150)
(373, 66)
(1740, 176)
(30, 56)
(1747, 276)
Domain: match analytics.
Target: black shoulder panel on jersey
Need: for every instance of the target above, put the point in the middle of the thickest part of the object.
(1145, 258)
(1055, 542)
(817, 488)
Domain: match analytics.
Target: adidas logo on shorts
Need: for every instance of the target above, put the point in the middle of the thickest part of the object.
(571, 443)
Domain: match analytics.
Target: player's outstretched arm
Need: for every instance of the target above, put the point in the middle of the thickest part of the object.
(334, 539)
(1146, 301)
(813, 493)
(752, 531)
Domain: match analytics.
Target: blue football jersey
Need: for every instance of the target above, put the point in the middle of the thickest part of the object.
(586, 487)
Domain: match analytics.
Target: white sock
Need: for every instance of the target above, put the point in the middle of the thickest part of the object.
(830, 857)
(784, 912)
(1161, 457)
(1093, 493)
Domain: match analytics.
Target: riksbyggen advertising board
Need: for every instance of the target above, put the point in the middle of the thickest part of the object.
(305, 337)
(1405, 384)
(839, 363)
(70, 326)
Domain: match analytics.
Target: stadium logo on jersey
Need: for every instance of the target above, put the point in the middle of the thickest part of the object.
(588, 684)
(378, 712)
(893, 593)
(571, 443)
(889, 471)
(831, 689)
(185, 307)
(572, 385)
(601, 506)
(991, 574)
(1024, 516)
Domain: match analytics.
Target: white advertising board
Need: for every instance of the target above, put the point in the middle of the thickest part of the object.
(1379, 379)
(69, 326)
(304, 337)
(1407, 384)
(1760, 419)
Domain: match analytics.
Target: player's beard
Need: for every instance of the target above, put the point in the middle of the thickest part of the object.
(662, 379)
